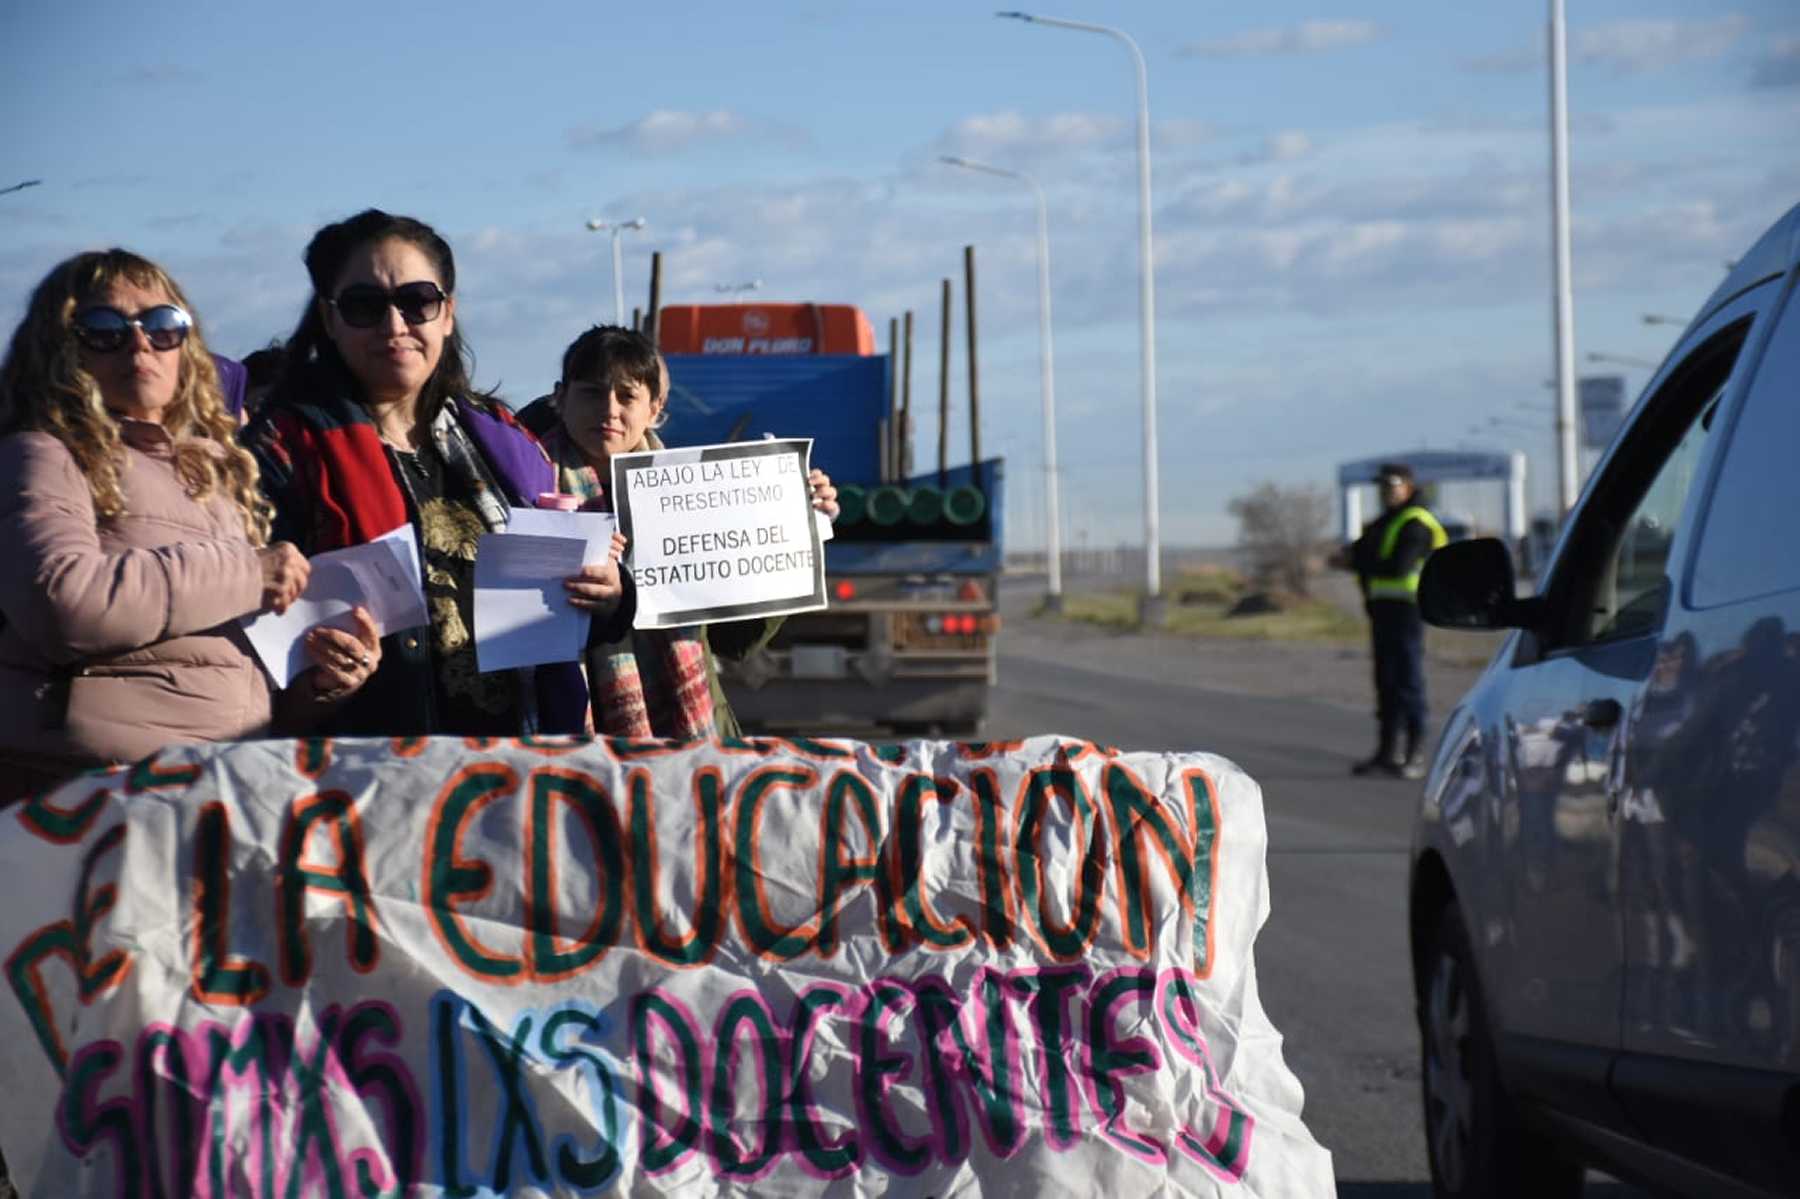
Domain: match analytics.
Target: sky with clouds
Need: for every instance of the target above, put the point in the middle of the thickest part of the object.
(1351, 201)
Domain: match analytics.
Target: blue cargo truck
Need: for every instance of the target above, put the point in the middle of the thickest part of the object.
(907, 644)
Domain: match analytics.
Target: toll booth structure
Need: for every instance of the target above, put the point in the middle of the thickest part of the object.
(1437, 466)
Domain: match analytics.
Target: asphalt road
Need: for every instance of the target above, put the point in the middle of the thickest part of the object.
(1332, 960)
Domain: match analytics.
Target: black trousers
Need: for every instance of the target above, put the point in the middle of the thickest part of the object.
(1398, 637)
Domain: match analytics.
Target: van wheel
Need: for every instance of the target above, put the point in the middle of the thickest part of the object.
(1478, 1148)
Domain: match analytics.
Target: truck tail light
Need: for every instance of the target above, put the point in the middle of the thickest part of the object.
(955, 624)
(843, 589)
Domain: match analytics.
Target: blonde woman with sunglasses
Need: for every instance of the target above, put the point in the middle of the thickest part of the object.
(136, 533)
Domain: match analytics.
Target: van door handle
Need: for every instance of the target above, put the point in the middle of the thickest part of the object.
(1601, 713)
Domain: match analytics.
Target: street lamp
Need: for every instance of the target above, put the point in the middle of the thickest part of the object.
(1151, 611)
(738, 289)
(617, 228)
(1053, 536)
(1563, 329)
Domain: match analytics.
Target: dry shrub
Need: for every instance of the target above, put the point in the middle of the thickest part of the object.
(1281, 531)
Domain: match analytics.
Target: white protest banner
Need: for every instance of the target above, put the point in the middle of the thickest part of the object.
(567, 966)
(719, 532)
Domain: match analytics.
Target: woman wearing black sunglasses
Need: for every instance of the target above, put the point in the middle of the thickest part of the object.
(374, 423)
(135, 532)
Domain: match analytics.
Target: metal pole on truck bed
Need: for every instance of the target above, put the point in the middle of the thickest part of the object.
(890, 461)
(653, 314)
(944, 389)
(906, 454)
(974, 384)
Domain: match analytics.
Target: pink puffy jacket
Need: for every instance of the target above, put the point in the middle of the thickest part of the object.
(120, 635)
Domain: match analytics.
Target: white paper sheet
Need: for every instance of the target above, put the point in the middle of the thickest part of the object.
(595, 528)
(522, 613)
(382, 575)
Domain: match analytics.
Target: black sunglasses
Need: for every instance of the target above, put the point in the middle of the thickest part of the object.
(363, 306)
(104, 330)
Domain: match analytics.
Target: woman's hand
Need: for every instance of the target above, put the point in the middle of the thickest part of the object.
(284, 574)
(824, 495)
(598, 588)
(343, 661)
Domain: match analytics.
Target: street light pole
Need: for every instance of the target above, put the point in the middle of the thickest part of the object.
(617, 228)
(1568, 477)
(1151, 610)
(1046, 357)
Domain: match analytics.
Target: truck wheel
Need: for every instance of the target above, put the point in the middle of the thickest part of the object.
(1477, 1146)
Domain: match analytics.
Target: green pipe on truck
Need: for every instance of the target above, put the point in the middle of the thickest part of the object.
(964, 505)
(887, 504)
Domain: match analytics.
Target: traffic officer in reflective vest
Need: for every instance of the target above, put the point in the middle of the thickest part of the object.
(1387, 559)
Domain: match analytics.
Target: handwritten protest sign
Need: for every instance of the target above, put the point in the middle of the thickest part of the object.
(558, 966)
(719, 532)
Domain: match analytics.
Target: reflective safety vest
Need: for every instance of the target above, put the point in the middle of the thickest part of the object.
(1403, 587)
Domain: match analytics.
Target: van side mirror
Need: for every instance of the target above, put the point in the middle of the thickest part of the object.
(1470, 585)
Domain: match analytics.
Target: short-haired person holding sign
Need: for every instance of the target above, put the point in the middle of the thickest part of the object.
(610, 400)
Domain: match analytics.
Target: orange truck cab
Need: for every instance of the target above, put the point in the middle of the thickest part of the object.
(765, 329)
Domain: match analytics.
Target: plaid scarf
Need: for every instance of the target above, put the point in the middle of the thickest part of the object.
(651, 682)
